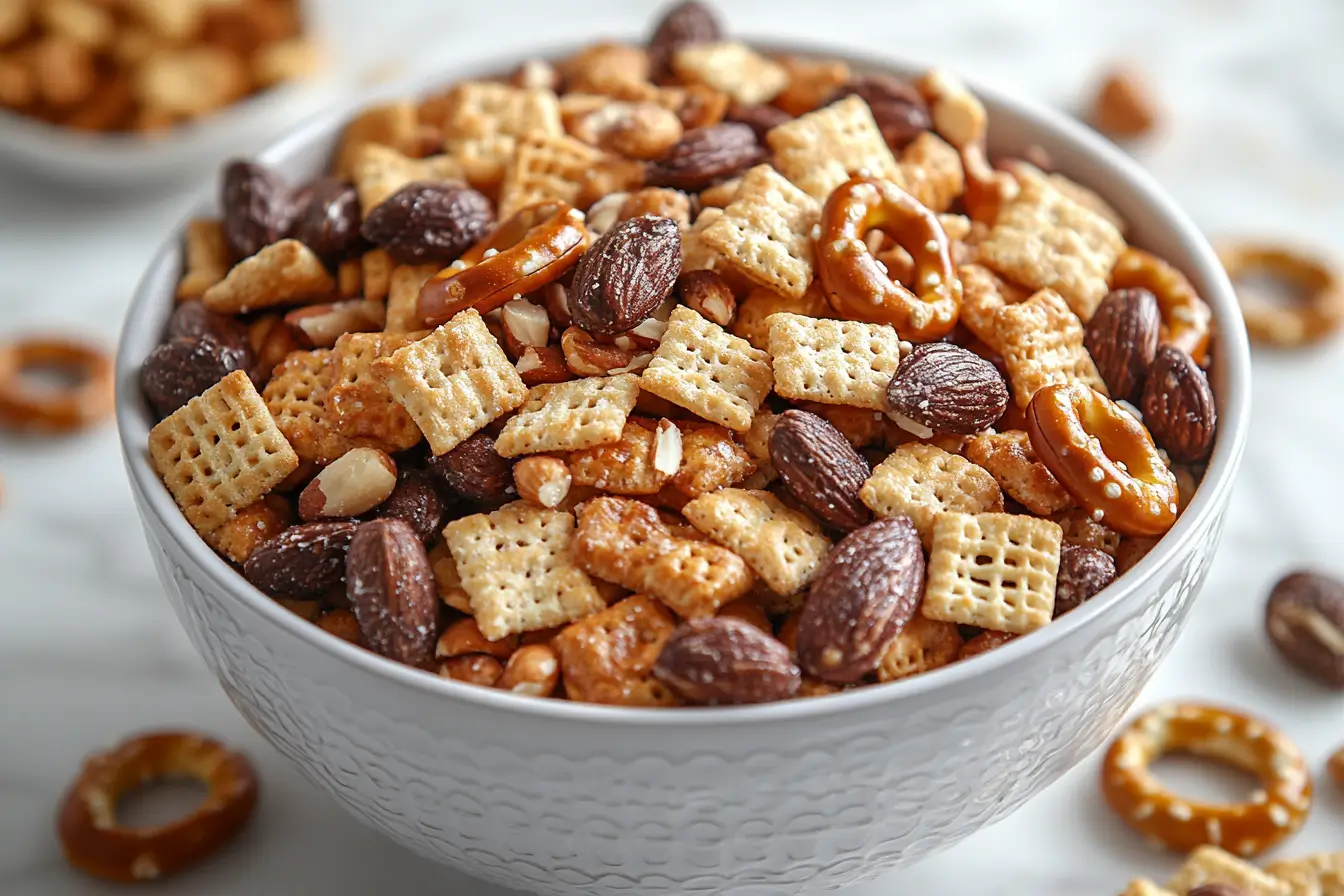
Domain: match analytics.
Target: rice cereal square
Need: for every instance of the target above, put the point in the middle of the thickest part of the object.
(359, 404)
(781, 545)
(821, 150)
(833, 361)
(1042, 345)
(765, 233)
(570, 416)
(922, 481)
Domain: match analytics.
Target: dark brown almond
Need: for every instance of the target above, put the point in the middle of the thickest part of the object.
(707, 294)
(1083, 572)
(1305, 621)
(1178, 406)
(429, 222)
(761, 118)
(866, 591)
(626, 275)
(683, 25)
(390, 586)
(180, 369)
(417, 502)
(724, 660)
(820, 468)
(475, 471)
(706, 155)
(302, 562)
(329, 222)
(948, 388)
(257, 207)
(900, 112)
(191, 319)
(1121, 337)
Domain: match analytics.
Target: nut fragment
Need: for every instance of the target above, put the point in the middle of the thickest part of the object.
(725, 660)
(390, 586)
(641, 131)
(474, 668)
(525, 324)
(1122, 339)
(1305, 621)
(475, 471)
(542, 365)
(533, 670)
(464, 637)
(625, 275)
(354, 483)
(542, 480)
(1178, 406)
(667, 449)
(585, 356)
(948, 389)
(323, 324)
(820, 468)
(706, 293)
(1082, 573)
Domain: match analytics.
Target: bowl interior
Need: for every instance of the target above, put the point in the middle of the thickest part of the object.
(1155, 222)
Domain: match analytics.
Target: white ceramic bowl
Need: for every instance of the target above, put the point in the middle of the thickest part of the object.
(566, 798)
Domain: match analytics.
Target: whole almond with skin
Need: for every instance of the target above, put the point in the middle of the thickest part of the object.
(1178, 406)
(257, 205)
(867, 589)
(429, 222)
(354, 483)
(725, 660)
(416, 501)
(705, 155)
(330, 220)
(475, 471)
(948, 389)
(1083, 572)
(1305, 621)
(302, 562)
(761, 119)
(626, 275)
(820, 468)
(1122, 338)
(391, 589)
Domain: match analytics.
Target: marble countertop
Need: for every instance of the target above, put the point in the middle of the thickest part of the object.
(1254, 129)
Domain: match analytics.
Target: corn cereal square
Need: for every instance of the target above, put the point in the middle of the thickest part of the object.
(833, 361)
(570, 416)
(732, 67)
(702, 367)
(781, 545)
(922, 646)
(821, 150)
(1042, 345)
(765, 233)
(283, 273)
(922, 481)
(359, 405)
(1211, 865)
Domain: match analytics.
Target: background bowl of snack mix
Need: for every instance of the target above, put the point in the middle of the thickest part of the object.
(905, 745)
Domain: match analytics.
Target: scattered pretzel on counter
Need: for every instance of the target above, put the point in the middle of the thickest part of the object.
(67, 409)
(1186, 318)
(1320, 311)
(1249, 828)
(95, 842)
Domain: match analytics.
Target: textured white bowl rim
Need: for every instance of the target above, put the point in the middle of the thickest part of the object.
(1233, 358)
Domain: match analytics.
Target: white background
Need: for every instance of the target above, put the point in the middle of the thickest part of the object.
(1252, 146)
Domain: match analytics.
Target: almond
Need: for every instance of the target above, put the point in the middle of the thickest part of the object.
(390, 586)
(947, 388)
(542, 481)
(301, 562)
(706, 155)
(328, 221)
(180, 369)
(542, 365)
(354, 483)
(1122, 339)
(258, 208)
(1083, 572)
(429, 222)
(416, 501)
(475, 471)
(585, 356)
(820, 468)
(1305, 621)
(626, 274)
(726, 660)
(706, 293)
(525, 325)
(683, 25)
(667, 450)
(533, 670)
(1178, 406)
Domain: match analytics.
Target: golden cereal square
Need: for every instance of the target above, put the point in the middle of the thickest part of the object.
(821, 150)
(570, 416)
(983, 293)
(484, 160)
(781, 545)
(296, 396)
(220, 452)
(376, 268)
(702, 367)
(922, 646)
(733, 68)
(993, 570)
(453, 382)
(1042, 345)
(922, 481)
(931, 168)
(1044, 240)
(359, 404)
(283, 273)
(557, 167)
(1321, 874)
(765, 233)
(393, 125)
(403, 297)
(380, 171)
(207, 258)
(833, 361)
(477, 110)
(1211, 865)
(517, 566)
(1010, 459)
(608, 657)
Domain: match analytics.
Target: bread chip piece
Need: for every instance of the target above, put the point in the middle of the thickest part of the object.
(765, 233)
(609, 657)
(207, 260)
(932, 171)
(623, 467)
(702, 367)
(296, 396)
(782, 546)
(1010, 459)
(1043, 239)
(379, 171)
(570, 416)
(1211, 865)
(993, 570)
(359, 405)
(1321, 874)
(558, 167)
(922, 645)
(732, 67)
(392, 125)
(823, 149)
(921, 481)
(477, 110)
(453, 382)
(403, 297)
(1042, 344)
(833, 361)
(624, 541)
(220, 452)
(283, 273)
(983, 293)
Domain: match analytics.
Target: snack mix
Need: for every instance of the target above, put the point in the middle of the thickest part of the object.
(678, 374)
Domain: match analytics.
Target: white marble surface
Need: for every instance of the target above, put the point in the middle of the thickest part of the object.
(89, 649)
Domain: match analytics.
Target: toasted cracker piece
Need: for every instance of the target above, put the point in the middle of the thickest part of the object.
(477, 110)
(453, 382)
(760, 303)
(921, 481)
(710, 460)
(625, 466)
(392, 125)
(254, 524)
(1321, 874)
(823, 149)
(983, 293)
(359, 404)
(833, 361)
(732, 67)
(702, 367)
(1010, 459)
(207, 260)
(993, 570)
(296, 396)
(932, 171)
(447, 579)
(922, 646)
(403, 297)
(1043, 239)
(283, 273)
(350, 279)
(557, 167)
(483, 160)
(1211, 865)
(517, 565)
(1080, 529)
(220, 452)
(376, 269)
(782, 546)
(765, 233)
(570, 416)
(379, 171)
(1042, 344)
(624, 541)
(609, 656)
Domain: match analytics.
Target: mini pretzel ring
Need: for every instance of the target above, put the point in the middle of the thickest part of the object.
(1274, 812)
(1319, 314)
(859, 288)
(63, 410)
(532, 248)
(96, 843)
(1103, 457)
(1186, 319)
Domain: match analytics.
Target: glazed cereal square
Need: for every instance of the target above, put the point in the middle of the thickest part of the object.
(733, 68)
(766, 232)
(570, 416)
(993, 570)
(1042, 345)
(983, 293)
(1321, 874)
(608, 657)
(453, 382)
(833, 361)
(296, 396)
(702, 367)
(1044, 240)
(932, 170)
(559, 167)
(380, 171)
(477, 110)
(517, 565)
(821, 150)
(393, 125)
(283, 273)
(1010, 459)
(220, 452)
(1211, 865)
(376, 268)
(359, 404)
(781, 545)
(922, 481)
(922, 646)
(403, 297)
